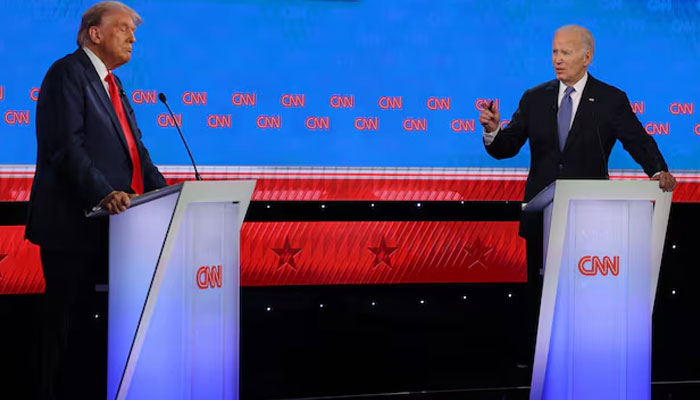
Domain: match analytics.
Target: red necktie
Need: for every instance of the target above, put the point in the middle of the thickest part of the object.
(136, 176)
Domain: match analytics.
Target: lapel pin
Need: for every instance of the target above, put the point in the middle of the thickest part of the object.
(591, 99)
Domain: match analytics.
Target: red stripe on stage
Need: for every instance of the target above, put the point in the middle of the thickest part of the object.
(347, 189)
(332, 253)
(20, 264)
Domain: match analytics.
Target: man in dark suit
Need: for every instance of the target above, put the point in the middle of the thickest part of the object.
(89, 154)
(572, 123)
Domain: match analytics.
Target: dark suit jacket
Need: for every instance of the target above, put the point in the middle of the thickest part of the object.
(604, 115)
(82, 156)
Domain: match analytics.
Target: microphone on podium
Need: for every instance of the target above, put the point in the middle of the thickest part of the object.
(161, 97)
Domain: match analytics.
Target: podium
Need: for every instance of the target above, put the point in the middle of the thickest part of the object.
(603, 242)
(174, 293)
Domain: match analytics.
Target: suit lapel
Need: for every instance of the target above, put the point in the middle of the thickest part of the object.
(552, 89)
(101, 93)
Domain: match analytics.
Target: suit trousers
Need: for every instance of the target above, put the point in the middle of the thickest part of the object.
(72, 347)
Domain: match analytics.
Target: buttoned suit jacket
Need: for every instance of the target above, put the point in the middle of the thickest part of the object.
(604, 116)
(82, 156)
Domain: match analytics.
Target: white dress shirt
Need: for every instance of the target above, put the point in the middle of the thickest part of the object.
(575, 101)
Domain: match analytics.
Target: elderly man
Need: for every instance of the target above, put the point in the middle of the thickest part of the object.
(572, 123)
(89, 153)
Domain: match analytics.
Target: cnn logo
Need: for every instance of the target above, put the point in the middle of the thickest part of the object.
(209, 277)
(592, 265)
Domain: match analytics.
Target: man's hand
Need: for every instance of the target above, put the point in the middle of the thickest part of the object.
(116, 202)
(666, 181)
(490, 118)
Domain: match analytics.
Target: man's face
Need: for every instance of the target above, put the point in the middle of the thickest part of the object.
(114, 38)
(569, 58)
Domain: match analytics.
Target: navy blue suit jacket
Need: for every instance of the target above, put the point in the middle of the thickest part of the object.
(82, 156)
(604, 116)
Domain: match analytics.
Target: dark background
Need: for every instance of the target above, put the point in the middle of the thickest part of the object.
(448, 346)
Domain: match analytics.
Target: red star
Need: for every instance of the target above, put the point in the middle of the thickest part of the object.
(2, 258)
(382, 254)
(476, 251)
(287, 254)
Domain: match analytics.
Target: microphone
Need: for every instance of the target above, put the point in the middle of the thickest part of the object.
(600, 141)
(161, 97)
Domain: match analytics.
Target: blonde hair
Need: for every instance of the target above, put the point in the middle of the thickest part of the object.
(93, 17)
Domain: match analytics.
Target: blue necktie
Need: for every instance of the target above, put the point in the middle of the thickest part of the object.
(564, 117)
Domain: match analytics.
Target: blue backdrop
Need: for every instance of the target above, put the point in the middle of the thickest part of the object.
(416, 49)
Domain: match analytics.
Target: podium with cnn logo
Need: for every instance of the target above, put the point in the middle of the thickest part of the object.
(603, 242)
(174, 293)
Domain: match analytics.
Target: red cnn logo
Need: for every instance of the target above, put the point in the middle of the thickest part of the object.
(244, 99)
(637, 107)
(681, 108)
(269, 122)
(438, 103)
(165, 120)
(194, 98)
(293, 100)
(144, 96)
(481, 104)
(462, 125)
(34, 94)
(657, 128)
(317, 123)
(390, 102)
(209, 277)
(697, 129)
(596, 265)
(367, 123)
(2, 93)
(338, 101)
(219, 121)
(415, 124)
(14, 117)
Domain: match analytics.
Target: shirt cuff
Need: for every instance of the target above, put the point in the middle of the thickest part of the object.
(490, 136)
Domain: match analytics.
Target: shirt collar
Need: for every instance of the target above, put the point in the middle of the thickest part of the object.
(578, 86)
(100, 66)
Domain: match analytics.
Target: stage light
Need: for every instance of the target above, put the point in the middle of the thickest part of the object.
(267, 206)
(418, 205)
(321, 305)
(323, 206)
(510, 295)
(673, 246)
(372, 205)
(673, 292)
(422, 301)
(374, 304)
(268, 309)
(464, 297)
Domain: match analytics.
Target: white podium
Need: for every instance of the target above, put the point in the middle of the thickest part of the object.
(174, 293)
(603, 242)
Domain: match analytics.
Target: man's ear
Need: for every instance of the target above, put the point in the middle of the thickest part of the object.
(95, 34)
(588, 57)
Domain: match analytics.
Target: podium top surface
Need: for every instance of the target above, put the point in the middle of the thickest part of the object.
(596, 189)
(144, 198)
(233, 190)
